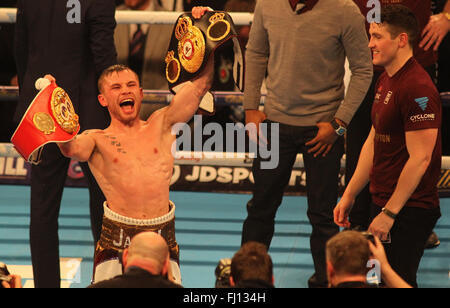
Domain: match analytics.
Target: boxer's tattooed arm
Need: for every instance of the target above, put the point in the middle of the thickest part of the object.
(80, 147)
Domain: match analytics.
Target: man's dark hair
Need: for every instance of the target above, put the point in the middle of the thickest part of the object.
(399, 19)
(252, 262)
(116, 68)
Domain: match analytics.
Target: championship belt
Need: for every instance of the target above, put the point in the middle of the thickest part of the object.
(49, 118)
(193, 40)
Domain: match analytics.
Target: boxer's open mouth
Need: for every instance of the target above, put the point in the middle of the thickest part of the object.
(127, 102)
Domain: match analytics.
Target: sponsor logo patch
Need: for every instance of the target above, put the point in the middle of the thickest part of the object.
(422, 102)
(422, 117)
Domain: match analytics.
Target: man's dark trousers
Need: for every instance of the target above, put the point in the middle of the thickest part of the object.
(322, 175)
(47, 187)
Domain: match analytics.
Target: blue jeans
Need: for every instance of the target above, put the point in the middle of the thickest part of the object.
(322, 175)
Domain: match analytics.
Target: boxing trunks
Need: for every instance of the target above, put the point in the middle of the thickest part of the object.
(116, 235)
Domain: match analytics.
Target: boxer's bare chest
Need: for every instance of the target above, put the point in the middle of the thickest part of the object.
(140, 153)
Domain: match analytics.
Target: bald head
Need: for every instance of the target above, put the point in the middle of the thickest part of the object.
(148, 247)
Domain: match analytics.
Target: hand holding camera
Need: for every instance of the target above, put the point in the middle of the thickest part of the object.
(8, 281)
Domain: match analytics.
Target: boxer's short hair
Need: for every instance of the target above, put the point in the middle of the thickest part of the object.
(400, 18)
(116, 68)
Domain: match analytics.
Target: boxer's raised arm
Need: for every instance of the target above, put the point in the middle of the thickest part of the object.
(79, 148)
(185, 103)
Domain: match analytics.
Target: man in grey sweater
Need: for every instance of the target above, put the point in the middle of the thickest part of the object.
(302, 45)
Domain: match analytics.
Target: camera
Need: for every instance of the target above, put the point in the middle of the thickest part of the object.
(4, 274)
(369, 237)
(223, 272)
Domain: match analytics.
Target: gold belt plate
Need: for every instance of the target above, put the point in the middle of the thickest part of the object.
(191, 45)
(44, 122)
(219, 28)
(63, 111)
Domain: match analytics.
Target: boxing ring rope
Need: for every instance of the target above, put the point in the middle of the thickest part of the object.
(8, 93)
(208, 158)
(8, 15)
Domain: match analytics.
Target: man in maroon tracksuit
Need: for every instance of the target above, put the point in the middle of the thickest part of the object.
(402, 155)
(359, 127)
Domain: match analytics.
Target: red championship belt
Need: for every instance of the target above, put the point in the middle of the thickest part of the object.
(49, 118)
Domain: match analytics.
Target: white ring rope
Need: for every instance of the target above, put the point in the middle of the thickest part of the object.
(210, 158)
(11, 93)
(8, 15)
(8, 93)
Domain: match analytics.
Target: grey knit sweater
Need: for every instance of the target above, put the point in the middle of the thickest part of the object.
(304, 56)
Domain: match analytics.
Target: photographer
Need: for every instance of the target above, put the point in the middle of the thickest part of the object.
(251, 267)
(347, 254)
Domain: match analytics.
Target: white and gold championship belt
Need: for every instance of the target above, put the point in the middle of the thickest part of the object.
(49, 118)
(193, 40)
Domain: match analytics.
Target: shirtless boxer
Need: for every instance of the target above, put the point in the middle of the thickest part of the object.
(132, 162)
